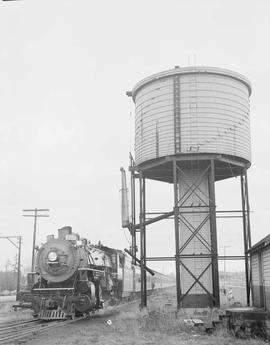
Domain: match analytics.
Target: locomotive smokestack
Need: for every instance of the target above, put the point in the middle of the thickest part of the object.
(66, 230)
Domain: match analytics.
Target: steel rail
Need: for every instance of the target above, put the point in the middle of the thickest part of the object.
(25, 330)
(5, 325)
(12, 327)
(22, 331)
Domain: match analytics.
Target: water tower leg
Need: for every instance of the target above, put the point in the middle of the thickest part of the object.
(176, 228)
(246, 229)
(143, 242)
(213, 226)
(248, 212)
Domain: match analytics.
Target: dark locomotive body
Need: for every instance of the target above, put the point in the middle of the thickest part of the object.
(73, 277)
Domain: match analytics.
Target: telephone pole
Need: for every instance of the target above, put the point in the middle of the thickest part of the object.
(35, 214)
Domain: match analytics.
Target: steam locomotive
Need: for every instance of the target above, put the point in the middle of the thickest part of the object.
(73, 277)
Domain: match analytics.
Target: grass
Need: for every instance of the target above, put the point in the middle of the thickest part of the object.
(157, 325)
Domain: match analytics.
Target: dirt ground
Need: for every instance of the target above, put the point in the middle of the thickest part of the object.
(126, 325)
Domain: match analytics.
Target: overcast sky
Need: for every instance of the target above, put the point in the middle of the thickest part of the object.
(66, 123)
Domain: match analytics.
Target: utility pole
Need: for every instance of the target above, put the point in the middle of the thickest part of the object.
(35, 213)
(18, 246)
(19, 266)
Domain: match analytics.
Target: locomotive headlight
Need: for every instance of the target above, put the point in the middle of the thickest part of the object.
(52, 256)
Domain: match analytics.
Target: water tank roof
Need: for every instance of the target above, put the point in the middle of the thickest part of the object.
(190, 70)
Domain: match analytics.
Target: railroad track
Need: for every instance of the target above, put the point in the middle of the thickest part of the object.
(13, 331)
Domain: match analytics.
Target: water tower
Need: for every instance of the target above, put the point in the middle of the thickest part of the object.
(191, 130)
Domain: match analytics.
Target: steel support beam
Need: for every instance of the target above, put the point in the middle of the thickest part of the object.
(143, 242)
(177, 236)
(191, 256)
(139, 262)
(246, 230)
(248, 211)
(213, 229)
(248, 234)
(155, 219)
